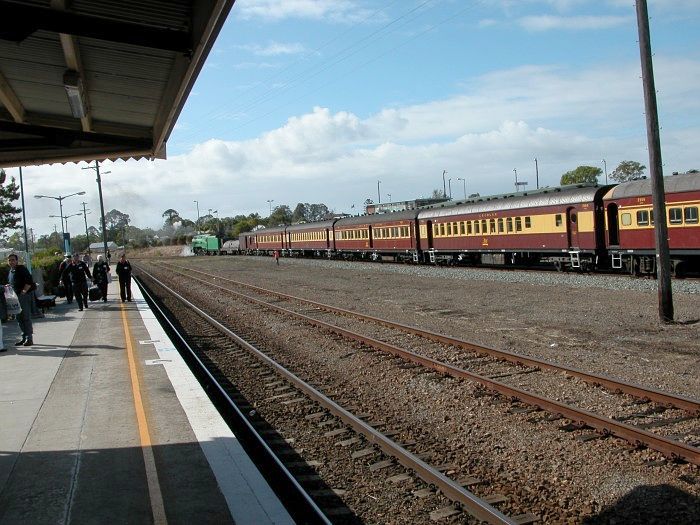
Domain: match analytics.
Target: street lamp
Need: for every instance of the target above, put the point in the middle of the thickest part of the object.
(444, 188)
(449, 184)
(270, 201)
(605, 165)
(389, 195)
(197, 203)
(379, 195)
(518, 184)
(65, 218)
(60, 198)
(464, 182)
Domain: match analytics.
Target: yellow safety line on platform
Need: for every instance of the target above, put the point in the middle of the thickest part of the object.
(154, 492)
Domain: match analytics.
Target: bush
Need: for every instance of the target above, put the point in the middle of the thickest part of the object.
(48, 261)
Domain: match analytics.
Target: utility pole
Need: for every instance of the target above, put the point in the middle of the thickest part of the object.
(444, 187)
(658, 197)
(87, 235)
(24, 223)
(96, 167)
(379, 195)
(537, 174)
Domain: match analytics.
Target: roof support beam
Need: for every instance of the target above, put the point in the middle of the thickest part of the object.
(71, 52)
(65, 137)
(21, 20)
(10, 100)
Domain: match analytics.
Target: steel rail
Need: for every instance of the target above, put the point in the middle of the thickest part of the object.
(606, 426)
(311, 512)
(664, 398)
(473, 505)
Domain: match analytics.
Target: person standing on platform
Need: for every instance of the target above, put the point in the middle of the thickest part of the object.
(79, 273)
(21, 281)
(109, 257)
(66, 282)
(99, 275)
(124, 274)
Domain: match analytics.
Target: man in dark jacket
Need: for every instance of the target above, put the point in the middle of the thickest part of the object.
(22, 283)
(124, 273)
(78, 273)
(67, 286)
(99, 273)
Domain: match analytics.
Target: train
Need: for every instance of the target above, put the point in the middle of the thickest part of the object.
(583, 227)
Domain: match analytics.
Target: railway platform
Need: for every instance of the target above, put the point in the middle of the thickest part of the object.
(101, 421)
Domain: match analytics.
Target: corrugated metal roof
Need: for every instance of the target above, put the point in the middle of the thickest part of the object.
(136, 82)
(674, 184)
(376, 218)
(555, 197)
(318, 225)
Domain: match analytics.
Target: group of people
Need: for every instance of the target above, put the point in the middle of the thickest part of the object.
(74, 275)
(76, 272)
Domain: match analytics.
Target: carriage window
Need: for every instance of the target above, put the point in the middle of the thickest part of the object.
(528, 224)
(518, 225)
(435, 230)
(675, 215)
(626, 219)
(469, 227)
(395, 231)
(642, 218)
(509, 224)
(449, 228)
(484, 226)
(463, 227)
(500, 226)
(442, 229)
(492, 224)
(476, 226)
(404, 231)
(454, 228)
(691, 215)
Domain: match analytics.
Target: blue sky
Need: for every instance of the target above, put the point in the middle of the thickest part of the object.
(317, 100)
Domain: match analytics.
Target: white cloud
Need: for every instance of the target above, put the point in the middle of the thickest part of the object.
(273, 10)
(575, 23)
(274, 49)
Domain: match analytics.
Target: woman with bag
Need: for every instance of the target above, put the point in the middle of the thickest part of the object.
(21, 282)
(100, 276)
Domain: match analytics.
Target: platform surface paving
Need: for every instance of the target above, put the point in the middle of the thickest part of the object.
(102, 422)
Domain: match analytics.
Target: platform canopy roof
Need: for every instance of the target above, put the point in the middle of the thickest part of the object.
(98, 79)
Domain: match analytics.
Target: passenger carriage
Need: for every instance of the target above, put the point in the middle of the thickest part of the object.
(629, 225)
(268, 240)
(557, 225)
(311, 239)
(377, 235)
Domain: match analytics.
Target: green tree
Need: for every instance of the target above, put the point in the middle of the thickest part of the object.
(299, 214)
(627, 170)
(9, 214)
(580, 175)
(280, 215)
(171, 216)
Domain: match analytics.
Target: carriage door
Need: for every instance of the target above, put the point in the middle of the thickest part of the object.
(613, 226)
(572, 227)
(429, 232)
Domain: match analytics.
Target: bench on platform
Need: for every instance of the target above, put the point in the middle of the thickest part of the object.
(45, 302)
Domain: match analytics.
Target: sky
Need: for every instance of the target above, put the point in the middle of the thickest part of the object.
(339, 101)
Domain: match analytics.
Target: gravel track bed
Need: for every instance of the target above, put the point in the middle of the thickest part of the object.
(547, 383)
(540, 468)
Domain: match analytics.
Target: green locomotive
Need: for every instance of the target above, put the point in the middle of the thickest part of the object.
(205, 244)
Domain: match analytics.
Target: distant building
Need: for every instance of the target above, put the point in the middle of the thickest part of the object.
(98, 247)
(388, 207)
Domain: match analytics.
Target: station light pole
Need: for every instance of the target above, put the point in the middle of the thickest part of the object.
(464, 182)
(605, 165)
(87, 234)
(60, 199)
(379, 195)
(444, 188)
(270, 201)
(537, 175)
(197, 203)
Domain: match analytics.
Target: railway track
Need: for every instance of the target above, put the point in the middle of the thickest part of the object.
(643, 416)
(335, 420)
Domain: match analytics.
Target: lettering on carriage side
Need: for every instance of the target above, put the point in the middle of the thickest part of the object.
(484, 241)
(641, 200)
